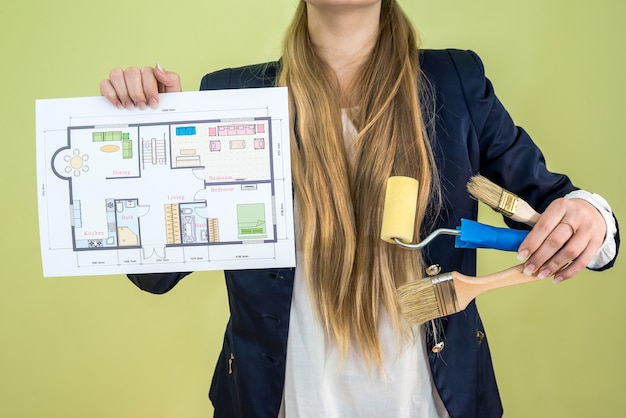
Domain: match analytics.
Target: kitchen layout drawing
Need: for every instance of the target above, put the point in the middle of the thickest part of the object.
(200, 184)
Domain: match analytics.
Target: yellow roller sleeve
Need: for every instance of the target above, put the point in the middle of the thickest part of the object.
(399, 209)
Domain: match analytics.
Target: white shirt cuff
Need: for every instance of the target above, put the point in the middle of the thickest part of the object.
(607, 251)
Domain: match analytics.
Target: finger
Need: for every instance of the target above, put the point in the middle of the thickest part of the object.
(134, 85)
(583, 260)
(107, 90)
(150, 86)
(543, 243)
(575, 267)
(170, 81)
(547, 258)
(559, 258)
(117, 80)
(541, 231)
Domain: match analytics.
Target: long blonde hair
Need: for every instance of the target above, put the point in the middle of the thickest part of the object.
(351, 273)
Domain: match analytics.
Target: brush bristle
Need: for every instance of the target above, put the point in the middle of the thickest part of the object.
(485, 190)
(418, 302)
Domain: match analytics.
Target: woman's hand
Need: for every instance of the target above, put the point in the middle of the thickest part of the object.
(136, 87)
(564, 240)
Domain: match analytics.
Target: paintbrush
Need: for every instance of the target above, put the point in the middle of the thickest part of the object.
(502, 200)
(429, 298)
(449, 293)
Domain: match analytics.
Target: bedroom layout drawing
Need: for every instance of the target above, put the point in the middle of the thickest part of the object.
(191, 186)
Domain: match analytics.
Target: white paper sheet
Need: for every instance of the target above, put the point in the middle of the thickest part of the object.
(201, 183)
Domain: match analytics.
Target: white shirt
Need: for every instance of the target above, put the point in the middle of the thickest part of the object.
(319, 385)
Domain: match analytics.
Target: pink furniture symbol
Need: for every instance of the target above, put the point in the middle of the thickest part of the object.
(215, 145)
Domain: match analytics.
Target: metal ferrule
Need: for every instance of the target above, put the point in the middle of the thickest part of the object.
(508, 203)
(443, 286)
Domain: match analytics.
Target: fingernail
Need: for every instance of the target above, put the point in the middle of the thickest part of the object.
(119, 105)
(141, 105)
(557, 280)
(129, 105)
(159, 67)
(529, 269)
(544, 273)
(154, 103)
(522, 255)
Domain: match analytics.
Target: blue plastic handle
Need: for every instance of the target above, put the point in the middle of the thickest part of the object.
(477, 235)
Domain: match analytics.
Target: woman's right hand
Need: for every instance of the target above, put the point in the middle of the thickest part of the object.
(136, 87)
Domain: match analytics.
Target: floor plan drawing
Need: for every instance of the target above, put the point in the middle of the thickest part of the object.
(201, 183)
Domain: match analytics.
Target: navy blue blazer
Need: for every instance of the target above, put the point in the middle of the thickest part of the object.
(472, 133)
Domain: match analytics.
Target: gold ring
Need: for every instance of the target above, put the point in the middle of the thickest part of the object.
(570, 225)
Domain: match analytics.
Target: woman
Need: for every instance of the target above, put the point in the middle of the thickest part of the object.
(327, 338)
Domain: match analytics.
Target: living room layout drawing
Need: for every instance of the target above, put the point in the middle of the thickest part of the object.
(165, 191)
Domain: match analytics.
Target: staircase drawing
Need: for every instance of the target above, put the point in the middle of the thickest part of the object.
(153, 151)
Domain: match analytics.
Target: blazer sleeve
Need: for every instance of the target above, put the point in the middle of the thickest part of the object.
(508, 156)
(157, 283)
(250, 76)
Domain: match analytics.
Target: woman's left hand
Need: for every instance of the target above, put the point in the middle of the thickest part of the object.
(564, 240)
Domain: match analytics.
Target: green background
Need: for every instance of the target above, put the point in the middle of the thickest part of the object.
(98, 347)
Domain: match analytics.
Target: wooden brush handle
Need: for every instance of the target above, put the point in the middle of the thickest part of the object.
(525, 213)
(467, 287)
